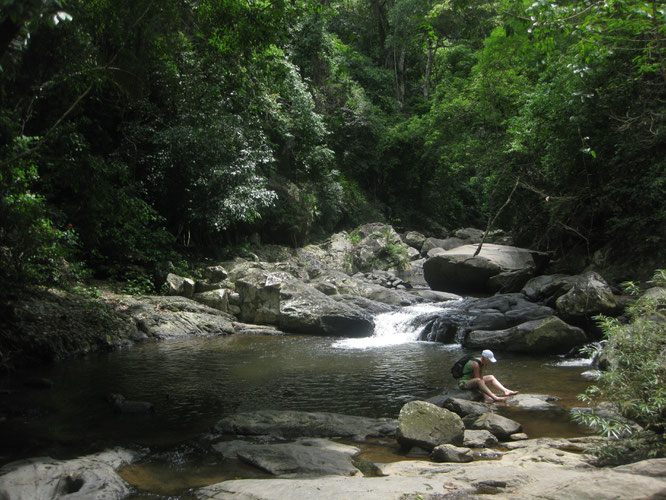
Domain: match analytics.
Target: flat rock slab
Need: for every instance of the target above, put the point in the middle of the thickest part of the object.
(538, 469)
(329, 488)
(541, 402)
(294, 424)
(173, 317)
(304, 457)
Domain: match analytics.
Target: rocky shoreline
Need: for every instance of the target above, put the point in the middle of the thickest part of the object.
(335, 289)
(315, 455)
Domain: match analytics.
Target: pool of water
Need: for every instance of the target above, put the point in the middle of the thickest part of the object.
(194, 382)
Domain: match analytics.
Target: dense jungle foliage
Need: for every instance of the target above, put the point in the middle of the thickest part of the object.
(135, 132)
(633, 381)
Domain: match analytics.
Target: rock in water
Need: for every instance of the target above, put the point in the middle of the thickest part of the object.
(542, 336)
(425, 425)
(122, 405)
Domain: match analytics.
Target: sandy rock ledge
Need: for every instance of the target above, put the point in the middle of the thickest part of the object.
(532, 469)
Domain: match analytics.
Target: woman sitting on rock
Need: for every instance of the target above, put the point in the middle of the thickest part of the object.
(473, 378)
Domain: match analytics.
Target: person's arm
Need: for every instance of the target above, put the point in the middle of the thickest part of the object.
(477, 369)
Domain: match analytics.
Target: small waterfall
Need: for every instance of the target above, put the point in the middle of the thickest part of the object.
(399, 327)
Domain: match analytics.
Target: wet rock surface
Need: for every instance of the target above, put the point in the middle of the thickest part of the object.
(303, 457)
(538, 402)
(294, 424)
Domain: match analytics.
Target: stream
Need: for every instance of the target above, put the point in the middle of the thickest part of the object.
(193, 382)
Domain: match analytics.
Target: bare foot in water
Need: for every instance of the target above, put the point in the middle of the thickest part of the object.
(511, 393)
(496, 400)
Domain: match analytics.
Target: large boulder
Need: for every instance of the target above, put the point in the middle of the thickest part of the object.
(44, 478)
(458, 270)
(503, 311)
(173, 317)
(293, 424)
(576, 298)
(259, 293)
(492, 313)
(304, 309)
(277, 298)
(544, 336)
(425, 425)
(590, 295)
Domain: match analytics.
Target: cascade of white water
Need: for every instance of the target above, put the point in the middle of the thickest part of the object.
(396, 327)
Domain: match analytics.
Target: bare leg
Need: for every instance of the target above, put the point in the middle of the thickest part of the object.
(477, 383)
(491, 380)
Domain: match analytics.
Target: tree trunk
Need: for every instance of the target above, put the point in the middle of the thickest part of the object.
(399, 68)
(491, 220)
(428, 70)
(382, 23)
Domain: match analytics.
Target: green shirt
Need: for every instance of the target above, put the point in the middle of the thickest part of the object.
(468, 370)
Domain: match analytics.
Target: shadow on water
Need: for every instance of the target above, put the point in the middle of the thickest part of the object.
(194, 382)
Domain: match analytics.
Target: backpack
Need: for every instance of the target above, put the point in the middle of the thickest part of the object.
(458, 366)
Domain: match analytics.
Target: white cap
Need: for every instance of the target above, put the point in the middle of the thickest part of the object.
(488, 354)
